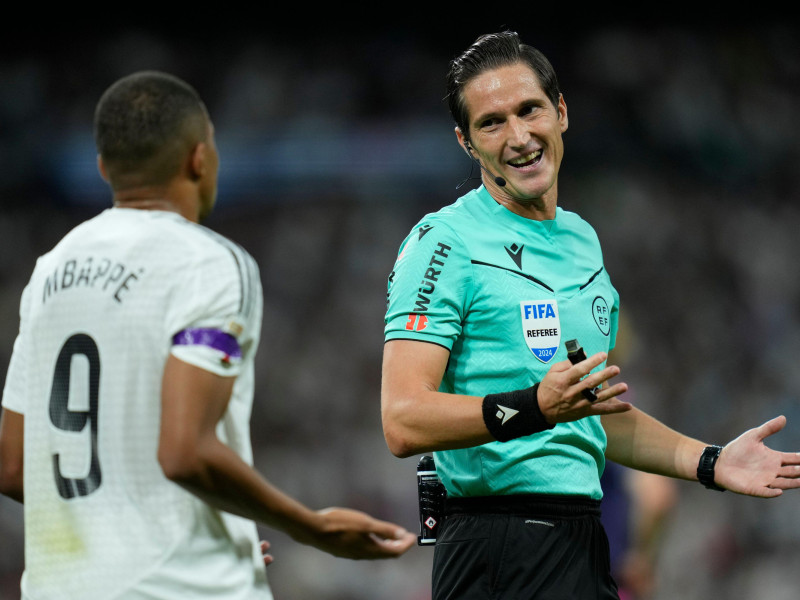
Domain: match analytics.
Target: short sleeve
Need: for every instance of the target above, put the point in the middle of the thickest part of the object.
(14, 392)
(215, 319)
(612, 340)
(429, 287)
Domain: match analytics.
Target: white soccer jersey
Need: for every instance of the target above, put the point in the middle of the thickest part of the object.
(98, 318)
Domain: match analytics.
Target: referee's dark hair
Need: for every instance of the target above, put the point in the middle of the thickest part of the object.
(145, 124)
(492, 51)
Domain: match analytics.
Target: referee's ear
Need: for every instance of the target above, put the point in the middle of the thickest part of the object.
(463, 141)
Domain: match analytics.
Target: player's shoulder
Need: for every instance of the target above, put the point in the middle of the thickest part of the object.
(209, 254)
(213, 242)
(188, 239)
(153, 237)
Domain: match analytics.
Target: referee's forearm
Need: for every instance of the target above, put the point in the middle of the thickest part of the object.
(638, 441)
(426, 421)
(417, 417)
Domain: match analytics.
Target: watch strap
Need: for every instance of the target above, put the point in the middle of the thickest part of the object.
(705, 468)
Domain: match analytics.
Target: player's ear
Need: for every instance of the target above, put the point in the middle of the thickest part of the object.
(198, 161)
(101, 167)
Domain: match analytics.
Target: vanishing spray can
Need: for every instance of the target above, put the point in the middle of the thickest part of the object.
(431, 501)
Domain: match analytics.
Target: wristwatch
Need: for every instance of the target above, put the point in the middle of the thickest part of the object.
(705, 468)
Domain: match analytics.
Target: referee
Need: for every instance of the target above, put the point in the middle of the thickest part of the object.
(482, 298)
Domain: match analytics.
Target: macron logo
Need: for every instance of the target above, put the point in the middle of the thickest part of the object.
(515, 252)
(504, 413)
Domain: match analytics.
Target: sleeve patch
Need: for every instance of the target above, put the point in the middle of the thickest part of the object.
(224, 343)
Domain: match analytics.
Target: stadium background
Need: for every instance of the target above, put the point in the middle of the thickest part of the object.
(681, 151)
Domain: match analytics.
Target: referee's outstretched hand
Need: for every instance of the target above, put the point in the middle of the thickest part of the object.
(561, 391)
(353, 534)
(747, 466)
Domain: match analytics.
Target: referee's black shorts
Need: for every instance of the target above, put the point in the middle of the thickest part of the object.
(522, 548)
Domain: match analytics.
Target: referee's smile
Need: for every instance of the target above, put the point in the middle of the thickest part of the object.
(515, 132)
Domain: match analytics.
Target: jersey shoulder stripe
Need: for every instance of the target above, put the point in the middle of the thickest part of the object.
(246, 266)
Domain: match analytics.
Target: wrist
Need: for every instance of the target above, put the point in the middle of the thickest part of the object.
(706, 467)
(510, 415)
(304, 525)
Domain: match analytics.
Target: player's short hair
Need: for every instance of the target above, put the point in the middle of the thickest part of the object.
(492, 51)
(145, 125)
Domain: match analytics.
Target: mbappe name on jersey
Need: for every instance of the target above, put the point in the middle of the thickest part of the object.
(101, 274)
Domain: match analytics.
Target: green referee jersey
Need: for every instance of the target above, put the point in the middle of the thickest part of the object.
(503, 294)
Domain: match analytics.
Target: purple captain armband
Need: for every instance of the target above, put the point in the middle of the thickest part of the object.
(210, 338)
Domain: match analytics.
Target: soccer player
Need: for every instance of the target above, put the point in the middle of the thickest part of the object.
(483, 296)
(130, 386)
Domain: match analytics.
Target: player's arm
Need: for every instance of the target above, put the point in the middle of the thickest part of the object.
(746, 465)
(417, 418)
(12, 419)
(191, 455)
(11, 454)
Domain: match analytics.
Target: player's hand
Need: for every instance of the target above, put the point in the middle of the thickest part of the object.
(268, 558)
(560, 392)
(353, 534)
(747, 466)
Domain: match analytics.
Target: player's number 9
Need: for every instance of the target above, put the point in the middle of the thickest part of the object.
(69, 420)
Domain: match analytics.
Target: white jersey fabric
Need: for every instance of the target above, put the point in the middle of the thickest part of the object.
(98, 319)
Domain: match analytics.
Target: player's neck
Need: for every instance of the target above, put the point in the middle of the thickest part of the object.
(167, 198)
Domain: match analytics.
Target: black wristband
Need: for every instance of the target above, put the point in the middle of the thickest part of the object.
(705, 468)
(510, 415)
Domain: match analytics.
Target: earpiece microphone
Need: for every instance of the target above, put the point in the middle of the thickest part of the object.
(497, 179)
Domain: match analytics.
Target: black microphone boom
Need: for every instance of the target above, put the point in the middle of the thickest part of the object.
(497, 179)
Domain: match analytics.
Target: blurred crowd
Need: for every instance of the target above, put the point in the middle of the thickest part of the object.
(681, 152)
